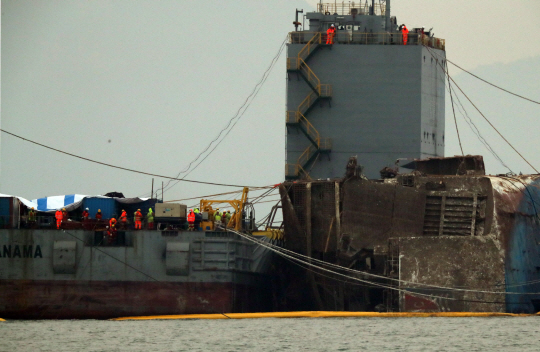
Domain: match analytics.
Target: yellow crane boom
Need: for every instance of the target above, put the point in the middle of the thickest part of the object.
(237, 205)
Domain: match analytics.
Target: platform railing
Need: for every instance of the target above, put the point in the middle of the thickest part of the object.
(350, 8)
(366, 38)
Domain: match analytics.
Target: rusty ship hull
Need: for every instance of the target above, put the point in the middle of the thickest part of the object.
(444, 237)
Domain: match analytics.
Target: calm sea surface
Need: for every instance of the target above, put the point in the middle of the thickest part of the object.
(307, 334)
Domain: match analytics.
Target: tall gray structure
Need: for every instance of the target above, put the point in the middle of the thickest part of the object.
(373, 93)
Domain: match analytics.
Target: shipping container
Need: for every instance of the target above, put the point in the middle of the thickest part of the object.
(6, 211)
(108, 206)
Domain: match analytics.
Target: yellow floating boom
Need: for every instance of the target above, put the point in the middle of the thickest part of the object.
(318, 314)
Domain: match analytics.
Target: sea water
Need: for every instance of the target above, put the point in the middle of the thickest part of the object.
(302, 334)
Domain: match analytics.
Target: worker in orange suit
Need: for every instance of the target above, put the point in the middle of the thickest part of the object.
(58, 215)
(138, 219)
(191, 220)
(112, 223)
(330, 32)
(405, 33)
(123, 219)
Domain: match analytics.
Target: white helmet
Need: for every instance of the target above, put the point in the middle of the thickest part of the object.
(87, 209)
(332, 25)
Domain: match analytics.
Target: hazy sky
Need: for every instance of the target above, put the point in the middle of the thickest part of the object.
(148, 84)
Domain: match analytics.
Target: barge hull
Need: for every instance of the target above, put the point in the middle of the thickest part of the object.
(51, 299)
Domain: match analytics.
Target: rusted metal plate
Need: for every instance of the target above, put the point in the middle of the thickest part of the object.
(45, 299)
(373, 212)
(472, 262)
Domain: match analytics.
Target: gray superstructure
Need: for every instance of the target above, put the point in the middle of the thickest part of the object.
(365, 95)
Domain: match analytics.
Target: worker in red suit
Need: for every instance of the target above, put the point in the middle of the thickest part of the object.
(405, 33)
(330, 32)
(123, 219)
(65, 214)
(85, 214)
(59, 216)
(138, 219)
(99, 215)
(111, 234)
(191, 220)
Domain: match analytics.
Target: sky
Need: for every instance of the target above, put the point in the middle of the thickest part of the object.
(147, 85)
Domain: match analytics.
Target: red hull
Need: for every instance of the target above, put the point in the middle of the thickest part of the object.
(36, 299)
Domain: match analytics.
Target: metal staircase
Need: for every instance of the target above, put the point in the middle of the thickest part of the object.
(297, 118)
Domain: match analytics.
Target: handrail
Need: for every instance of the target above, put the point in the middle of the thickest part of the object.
(291, 116)
(296, 169)
(308, 73)
(325, 144)
(306, 50)
(310, 130)
(308, 101)
(348, 8)
(364, 38)
(298, 117)
(325, 90)
(307, 154)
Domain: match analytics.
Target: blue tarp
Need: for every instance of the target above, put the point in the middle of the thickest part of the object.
(70, 201)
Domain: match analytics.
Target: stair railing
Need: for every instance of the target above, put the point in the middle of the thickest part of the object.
(310, 130)
(310, 76)
(310, 46)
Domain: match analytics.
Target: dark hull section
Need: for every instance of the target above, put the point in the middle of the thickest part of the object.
(47, 299)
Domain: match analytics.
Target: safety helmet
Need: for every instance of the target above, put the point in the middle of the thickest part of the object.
(138, 209)
(63, 208)
(123, 210)
(32, 208)
(99, 210)
(87, 209)
(332, 25)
